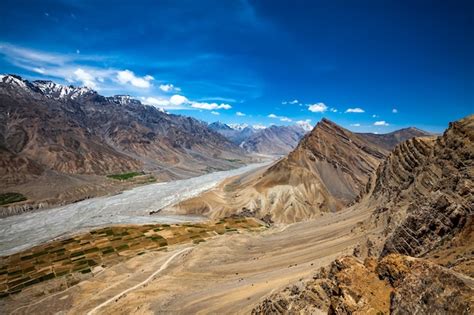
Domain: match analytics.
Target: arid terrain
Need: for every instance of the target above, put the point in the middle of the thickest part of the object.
(236, 157)
(404, 245)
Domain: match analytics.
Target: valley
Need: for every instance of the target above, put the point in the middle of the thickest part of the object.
(191, 221)
(236, 157)
(134, 206)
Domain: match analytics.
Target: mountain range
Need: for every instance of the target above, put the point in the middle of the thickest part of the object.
(273, 140)
(68, 138)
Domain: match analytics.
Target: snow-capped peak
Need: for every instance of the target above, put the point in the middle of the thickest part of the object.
(14, 80)
(259, 127)
(58, 91)
(124, 99)
(305, 124)
(238, 126)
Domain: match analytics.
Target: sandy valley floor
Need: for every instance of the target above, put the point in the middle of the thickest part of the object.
(226, 274)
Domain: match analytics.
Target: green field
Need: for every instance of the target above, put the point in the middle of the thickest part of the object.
(124, 176)
(11, 197)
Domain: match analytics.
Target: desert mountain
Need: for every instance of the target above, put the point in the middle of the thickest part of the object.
(274, 140)
(327, 171)
(50, 129)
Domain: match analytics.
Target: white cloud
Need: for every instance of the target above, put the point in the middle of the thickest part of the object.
(210, 106)
(39, 70)
(355, 125)
(215, 113)
(155, 101)
(333, 110)
(355, 110)
(128, 77)
(282, 118)
(168, 88)
(381, 123)
(305, 124)
(317, 108)
(259, 126)
(240, 114)
(374, 116)
(394, 110)
(86, 78)
(295, 101)
(178, 100)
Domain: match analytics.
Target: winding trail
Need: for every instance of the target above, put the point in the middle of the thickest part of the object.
(123, 293)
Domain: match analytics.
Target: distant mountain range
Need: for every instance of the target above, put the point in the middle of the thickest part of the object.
(51, 130)
(58, 142)
(274, 140)
(327, 171)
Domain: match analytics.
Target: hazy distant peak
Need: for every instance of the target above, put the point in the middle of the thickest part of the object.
(238, 126)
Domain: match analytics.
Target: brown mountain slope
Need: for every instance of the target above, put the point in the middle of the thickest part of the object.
(47, 129)
(327, 171)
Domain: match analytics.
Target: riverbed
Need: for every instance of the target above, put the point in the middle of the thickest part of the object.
(129, 207)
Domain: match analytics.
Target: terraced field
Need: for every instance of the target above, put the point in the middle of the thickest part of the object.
(89, 252)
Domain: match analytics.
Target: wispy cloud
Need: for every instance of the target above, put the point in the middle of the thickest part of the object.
(240, 114)
(381, 123)
(355, 125)
(355, 110)
(215, 113)
(295, 101)
(169, 88)
(394, 110)
(281, 118)
(210, 106)
(72, 67)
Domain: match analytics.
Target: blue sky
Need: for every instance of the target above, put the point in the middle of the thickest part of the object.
(368, 65)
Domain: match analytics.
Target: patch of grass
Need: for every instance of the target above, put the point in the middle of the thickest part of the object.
(11, 197)
(234, 160)
(124, 176)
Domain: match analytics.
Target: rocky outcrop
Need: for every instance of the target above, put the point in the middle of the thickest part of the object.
(397, 285)
(424, 191)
